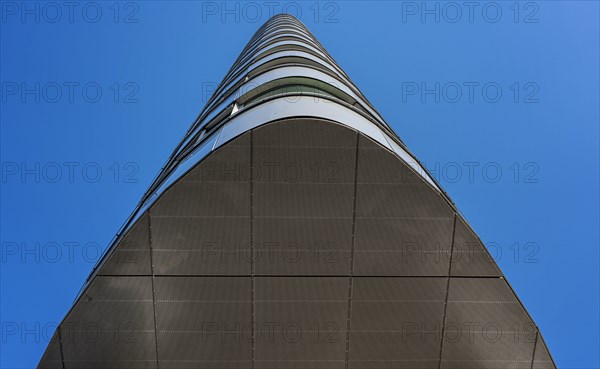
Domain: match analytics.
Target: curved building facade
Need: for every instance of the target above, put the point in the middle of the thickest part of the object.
(292, 228)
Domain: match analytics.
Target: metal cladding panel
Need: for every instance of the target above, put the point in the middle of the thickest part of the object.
(111, 326)
(470, 258)
(392, 350)
(377, 165)
(403, 226)
(301, 322)
(205, 315)
(379, 197)
(303, 197)
(542, 359)
(483, 353)
(226, 164)
(52, 358)
(402, 247)
(193, 246)
(204, 199)
(396, 322)
(301, 200)
(304, 133)
(303, 164)
(204, 322)
(135, 352)
(132, 254)
(486, 326)
(394, 200)
(203, 225)
(290, 246)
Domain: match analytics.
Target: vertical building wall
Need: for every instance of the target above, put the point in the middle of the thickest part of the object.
(291, 228)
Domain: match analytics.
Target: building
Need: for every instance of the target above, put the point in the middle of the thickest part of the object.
(292, 228)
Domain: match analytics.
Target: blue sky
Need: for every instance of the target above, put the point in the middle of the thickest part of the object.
(498, 99)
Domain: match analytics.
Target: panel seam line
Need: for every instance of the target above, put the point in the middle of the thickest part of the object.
(252, 281)
(537, 333)
(153, 289)
(447, 294)
(62, 354)
(350, 284)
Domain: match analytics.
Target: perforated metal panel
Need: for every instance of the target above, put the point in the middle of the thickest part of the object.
(542, 359)
(291, 246)
(202, 224)
(380, 196)
(314, 246)
(195, 246)
(301, 322)
(396, 322)
(402, 246)
(132, 255)
(303, 193)
(204, 199)
(111, 326)
(403, 227)
(204, 322)
(486, 326)
(470, 257)
(301, 200)
(52, 358)
(379, 166)
(300, 132)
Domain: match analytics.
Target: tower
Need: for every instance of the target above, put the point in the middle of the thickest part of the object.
(292, 228)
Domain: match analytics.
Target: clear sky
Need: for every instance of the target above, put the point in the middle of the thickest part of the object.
(500, 100)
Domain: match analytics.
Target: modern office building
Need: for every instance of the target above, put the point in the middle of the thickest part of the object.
(292, 228)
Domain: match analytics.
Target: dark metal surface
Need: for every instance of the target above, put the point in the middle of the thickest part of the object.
(329, 280)
(396, 322)
(470, 258)
(112, 326)
(203, 322)
(132, 255)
